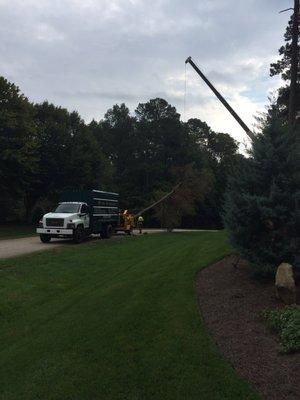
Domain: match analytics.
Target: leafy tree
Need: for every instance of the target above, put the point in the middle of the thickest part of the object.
(218, 153)
(161, 144)
(115, 136)
(69, 156)
(141, 149)
(144, 150)
(260, 209)
(54, 135)
(89, 168)
(193, 186)
(18, 147)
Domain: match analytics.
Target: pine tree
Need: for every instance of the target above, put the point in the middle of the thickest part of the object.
(283, 67)
(260, 207)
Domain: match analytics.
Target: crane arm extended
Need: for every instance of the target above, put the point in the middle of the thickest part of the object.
(158, 201)
(221, 98)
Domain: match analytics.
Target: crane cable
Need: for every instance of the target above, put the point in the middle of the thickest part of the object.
(184, 97)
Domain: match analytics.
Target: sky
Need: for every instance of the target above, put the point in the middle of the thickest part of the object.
(87, 55)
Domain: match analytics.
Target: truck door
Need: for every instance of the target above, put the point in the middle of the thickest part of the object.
(85, 216)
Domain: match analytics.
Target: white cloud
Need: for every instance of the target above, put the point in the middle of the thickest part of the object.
(88, 55)
(48, 33)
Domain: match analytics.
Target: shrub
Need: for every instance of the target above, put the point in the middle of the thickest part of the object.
(37, 214)
(285, 322)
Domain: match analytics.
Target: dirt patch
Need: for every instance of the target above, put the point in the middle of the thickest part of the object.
(230, 302)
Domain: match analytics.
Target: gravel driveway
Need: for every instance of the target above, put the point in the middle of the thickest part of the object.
(17, 247)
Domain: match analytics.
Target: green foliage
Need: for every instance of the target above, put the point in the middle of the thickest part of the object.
(18, 147)
(285, 322)
(260, 208)
(37, 214)
(194, 185)
(144, 151)
(69, 155)
(47, 149)
(283, 67)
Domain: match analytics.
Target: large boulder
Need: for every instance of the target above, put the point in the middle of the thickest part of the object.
(285, 283)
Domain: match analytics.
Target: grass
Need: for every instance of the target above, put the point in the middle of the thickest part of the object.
(112, 320)
(11, 231)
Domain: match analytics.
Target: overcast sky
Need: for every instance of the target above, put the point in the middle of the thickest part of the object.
(87, 55)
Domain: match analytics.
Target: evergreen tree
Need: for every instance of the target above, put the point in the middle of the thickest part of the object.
(260, 208)
(283, 67)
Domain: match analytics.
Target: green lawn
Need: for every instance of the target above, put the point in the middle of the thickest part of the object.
(10, 231)
(112, 319)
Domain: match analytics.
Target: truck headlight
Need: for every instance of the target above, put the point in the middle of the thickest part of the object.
(40, 224)
(70, 226)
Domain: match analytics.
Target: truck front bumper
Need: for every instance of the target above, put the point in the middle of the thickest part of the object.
(55, 231)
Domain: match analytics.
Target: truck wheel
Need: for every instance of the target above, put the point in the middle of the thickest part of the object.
(45, 238)
(78, 234)
(107, 232)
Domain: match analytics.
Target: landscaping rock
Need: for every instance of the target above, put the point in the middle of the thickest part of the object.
(285, 283)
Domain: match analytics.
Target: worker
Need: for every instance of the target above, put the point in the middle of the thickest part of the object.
(127, 221)
(131, 218)
(140, 223)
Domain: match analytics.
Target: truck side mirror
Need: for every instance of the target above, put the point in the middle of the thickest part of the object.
(84, 209)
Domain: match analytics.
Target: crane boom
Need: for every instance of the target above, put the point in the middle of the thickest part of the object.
(221, 98)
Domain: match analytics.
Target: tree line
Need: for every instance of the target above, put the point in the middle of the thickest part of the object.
(45, 149)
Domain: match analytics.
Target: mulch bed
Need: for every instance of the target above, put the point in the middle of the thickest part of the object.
(230, 302)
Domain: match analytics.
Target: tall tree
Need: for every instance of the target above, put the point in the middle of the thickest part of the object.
(193, 186)
(54, 134)
(88, 168)
(261, 200)
(69, 156)
(283, 67)
(161, 143)
(218, 153)
(18, 147)
(115, 135)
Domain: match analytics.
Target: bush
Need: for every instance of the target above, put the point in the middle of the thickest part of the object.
(260, 206)
(285, 322)
(37, 214)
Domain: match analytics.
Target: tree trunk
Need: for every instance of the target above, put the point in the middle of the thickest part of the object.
(294, 65)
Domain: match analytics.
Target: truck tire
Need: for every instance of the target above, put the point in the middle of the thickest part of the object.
(45, 238)
(78, 234)
(106, 232)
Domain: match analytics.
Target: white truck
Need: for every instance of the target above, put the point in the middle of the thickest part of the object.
(80, 214)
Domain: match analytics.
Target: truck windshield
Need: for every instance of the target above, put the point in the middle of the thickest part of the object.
(67, 208)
